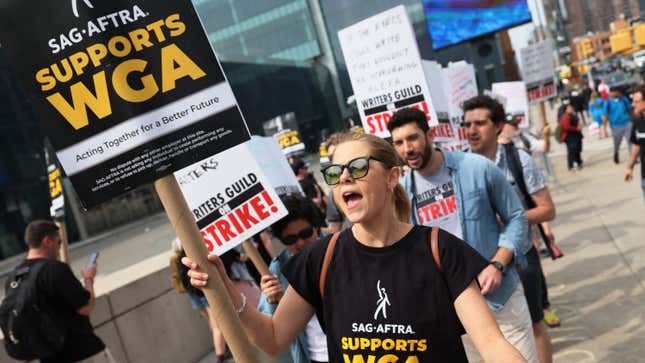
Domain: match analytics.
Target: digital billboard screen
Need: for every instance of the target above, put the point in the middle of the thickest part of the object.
(454, 21)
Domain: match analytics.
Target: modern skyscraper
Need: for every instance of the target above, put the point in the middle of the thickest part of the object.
(261, 31)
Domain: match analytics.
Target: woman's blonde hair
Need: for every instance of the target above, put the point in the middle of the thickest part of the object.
(384, 152)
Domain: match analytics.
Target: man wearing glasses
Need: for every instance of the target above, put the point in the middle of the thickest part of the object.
(637, 137)
(61, 295)
(296, 230)
(464, 194)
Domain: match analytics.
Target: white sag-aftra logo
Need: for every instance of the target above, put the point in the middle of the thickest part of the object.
(382, 303)
(75, 7)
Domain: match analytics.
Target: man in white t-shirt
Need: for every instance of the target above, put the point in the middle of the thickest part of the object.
(522, 172)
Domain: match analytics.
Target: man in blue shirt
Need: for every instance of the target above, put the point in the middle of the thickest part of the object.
(618, 110)
(526, 178)
(465, 194)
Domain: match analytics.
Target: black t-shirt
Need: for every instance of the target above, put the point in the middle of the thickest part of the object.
(638, 138)
(388, 301)
(61, 291)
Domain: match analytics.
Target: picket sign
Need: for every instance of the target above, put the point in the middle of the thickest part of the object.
(538, 71)
(142, 96)
(438, 90)
(57, 208)
(450, 87)
(230, 198)
(384, 66)
(516, 102)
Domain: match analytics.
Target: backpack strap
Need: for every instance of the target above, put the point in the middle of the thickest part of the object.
(326, 261)
(26, 271)
(434, 246)
(515, 165)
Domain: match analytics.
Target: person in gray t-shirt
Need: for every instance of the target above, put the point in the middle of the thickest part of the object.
(482, 129)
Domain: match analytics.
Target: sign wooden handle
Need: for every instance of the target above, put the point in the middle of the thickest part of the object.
(255, 257)
(545, 122)
(183, 222)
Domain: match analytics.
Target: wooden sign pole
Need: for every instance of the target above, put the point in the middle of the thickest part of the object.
(545, 122)
(64, 250)
(255, 257)
(183, 222)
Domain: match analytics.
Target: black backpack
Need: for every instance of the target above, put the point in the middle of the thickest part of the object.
(29, 331)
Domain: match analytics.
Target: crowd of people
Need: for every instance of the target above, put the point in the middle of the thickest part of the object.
(461, 224)
(413, 252)
(617, 111)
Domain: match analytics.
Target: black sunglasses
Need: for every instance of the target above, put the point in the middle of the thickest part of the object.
(357, 168)
(293, 238)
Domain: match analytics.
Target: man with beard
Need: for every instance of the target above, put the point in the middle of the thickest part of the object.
(465, 194)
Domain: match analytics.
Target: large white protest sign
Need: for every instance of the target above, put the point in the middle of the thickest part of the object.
(538, 71)
(230, 198)
(385, 69)
(516, 102)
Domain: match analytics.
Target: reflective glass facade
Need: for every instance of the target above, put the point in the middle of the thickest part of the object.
(268, 50)
(23, 180)
(265, 31)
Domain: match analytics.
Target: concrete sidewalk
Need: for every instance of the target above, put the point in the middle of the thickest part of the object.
(598, 287)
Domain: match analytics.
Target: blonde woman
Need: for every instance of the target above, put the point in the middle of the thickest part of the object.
(385, 292)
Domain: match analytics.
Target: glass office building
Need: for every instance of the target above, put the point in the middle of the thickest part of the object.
(261, 31)
(23, 180)
(269, 51)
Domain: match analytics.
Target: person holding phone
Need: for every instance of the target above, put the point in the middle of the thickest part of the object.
(63, 296)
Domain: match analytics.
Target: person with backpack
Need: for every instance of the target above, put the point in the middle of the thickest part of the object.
(618, 109)
(572, 137)
(45, 312)
(383, 290)
(523, 174)
(531, 144)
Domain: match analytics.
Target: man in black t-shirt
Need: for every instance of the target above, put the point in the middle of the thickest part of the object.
(60, 291)
(637, 137)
